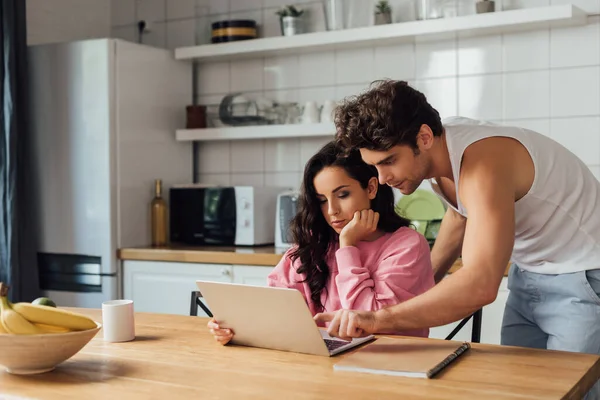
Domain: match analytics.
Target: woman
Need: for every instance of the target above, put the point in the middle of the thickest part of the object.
(351, 248)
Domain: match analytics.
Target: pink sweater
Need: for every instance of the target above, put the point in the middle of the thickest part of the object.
(369, 276)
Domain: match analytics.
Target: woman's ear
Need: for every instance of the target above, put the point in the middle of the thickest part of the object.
(372, 188)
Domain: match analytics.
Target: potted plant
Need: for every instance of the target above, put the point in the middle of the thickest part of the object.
(383, 13)
(484, 6)
(291, 20)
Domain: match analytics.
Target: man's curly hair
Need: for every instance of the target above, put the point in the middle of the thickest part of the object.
(390, 113)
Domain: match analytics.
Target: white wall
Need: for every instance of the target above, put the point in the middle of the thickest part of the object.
(547, 80)
(50, 21)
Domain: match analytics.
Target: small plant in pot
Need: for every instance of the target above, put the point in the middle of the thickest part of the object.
(485, 6)
(383, 13)
(291, 20)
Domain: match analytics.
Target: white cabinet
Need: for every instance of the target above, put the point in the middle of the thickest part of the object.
(166, 287)
(491, 321)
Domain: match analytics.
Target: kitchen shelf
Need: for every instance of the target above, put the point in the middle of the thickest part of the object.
(470, 25)
(257, 132)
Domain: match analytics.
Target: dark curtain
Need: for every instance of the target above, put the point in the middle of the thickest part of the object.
(18, 266)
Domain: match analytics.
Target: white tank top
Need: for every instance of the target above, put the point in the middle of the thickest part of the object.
(557, 223)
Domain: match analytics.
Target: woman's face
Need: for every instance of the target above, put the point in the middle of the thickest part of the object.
(341, 196)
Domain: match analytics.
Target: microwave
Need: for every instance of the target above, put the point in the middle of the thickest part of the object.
(222, 215)
(287, 207)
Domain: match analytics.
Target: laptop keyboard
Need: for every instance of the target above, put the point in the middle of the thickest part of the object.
(334, 344)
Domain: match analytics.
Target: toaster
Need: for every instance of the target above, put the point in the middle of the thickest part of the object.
(287, 207)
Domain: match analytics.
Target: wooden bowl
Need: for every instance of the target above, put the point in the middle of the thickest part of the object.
(35, 354)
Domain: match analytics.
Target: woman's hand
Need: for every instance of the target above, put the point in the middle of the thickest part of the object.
(222, 336)
(362, 225)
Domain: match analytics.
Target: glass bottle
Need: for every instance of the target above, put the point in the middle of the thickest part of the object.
(158, 209)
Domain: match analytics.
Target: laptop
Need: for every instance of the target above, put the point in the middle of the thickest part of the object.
(271, 318)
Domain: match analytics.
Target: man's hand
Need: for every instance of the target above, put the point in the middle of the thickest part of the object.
(347, 324)
(362, 225)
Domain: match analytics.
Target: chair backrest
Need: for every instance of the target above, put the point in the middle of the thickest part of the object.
(196, 302)
(476, 329)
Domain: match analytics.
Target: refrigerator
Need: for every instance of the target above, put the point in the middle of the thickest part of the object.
(103, 116)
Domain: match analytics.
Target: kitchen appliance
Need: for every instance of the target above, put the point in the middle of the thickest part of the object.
(103, 113)
(287, 207)
(223, 215)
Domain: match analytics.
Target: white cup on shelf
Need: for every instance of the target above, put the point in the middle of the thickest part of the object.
(118, 324)
(311, 113)
(328, 111)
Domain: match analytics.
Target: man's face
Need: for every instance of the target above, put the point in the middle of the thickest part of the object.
(401, 167)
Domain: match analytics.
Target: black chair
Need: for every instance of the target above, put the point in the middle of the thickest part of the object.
(196, 302)
(475, 332)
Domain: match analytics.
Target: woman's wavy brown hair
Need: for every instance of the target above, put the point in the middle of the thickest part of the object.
(390, 113)
(312, 234)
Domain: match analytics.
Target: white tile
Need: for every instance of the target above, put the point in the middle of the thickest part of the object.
(314, 17)
(354, 66)
(128, 33)
(319, 94)
(178, 9)
(520, 4)
(595, 171)
(537, 125)
(527, 50)
(204, 28)
(580, 135)
(309, 147)
(281, 72)
(283, 96)
(575, 91)
(215, 179)
(285, 179)
(395, 62)
(122, 12)
(237, 5)
(576, 46)
(213, 78)
(247, 156)
(157, 37)
(271, 27)
(151, 10)
(441, 94)
(589, 6)
(480, 55)
(181, 33)
(527, 95)
(218, 6)
(480, 97)
(214, 157)
(317, 69)
(281, 3)
(247, 75)
(436, 59)
(342, 92)
(254, 179)
(282, 155)
(403, 10)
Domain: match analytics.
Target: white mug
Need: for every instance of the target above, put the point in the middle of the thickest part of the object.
(118, 322)
(327, 112)
(311, 113)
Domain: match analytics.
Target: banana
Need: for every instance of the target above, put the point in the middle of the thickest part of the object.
(51, 328)
(53, 316)
(13, 322)
(2, 330)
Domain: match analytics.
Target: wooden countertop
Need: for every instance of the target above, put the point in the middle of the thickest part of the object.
(267, 256)
(174, 357)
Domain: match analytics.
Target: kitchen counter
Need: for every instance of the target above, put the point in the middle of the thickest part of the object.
(175, 357)
(267, 256)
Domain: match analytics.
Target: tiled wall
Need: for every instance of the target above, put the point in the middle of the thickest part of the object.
(51, 21)
(547, 80)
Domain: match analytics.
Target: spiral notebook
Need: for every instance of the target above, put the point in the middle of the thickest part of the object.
(415, 358)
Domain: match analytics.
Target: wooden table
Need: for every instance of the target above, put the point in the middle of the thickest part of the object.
(174, 357)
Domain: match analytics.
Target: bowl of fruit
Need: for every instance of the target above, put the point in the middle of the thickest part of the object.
(36, 337)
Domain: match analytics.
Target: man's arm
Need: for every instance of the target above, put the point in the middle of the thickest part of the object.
(448, 243)
(487, 190)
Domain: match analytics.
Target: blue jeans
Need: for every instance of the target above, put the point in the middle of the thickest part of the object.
(557, 312)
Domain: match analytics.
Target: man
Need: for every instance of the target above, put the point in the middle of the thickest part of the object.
(512, 195)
